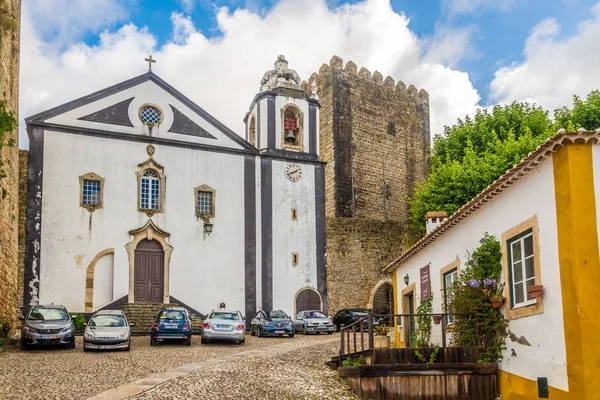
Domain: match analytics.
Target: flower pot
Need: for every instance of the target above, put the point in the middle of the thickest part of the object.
(381, 342)
(535, 291)
(437, 319)
(497, 302)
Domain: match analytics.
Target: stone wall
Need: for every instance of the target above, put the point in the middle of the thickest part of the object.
(10, 15)
(23, 170)
(357, 249)
(375, 137)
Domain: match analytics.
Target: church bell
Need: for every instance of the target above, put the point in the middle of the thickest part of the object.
(290, 136)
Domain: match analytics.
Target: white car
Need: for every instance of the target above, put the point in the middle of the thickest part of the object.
(313, 321)
(224, 325)
(107, 330)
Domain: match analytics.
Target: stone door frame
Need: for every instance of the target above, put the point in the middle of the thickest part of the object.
(148, 232)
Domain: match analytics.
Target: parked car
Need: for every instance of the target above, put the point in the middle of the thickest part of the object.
(47, 326)
(172, 323)
(224, 325)
(107, 330)
(275, 322)
(313, 321)
(349, 316)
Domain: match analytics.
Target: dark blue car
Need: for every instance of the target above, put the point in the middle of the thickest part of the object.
(172, 323)
(275, 322)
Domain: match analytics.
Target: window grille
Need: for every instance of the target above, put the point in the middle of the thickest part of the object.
(205, 203)
(91, 192)
(150, 191)
(150, 115)
(522, 268)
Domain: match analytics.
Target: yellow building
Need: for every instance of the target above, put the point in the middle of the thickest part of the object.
(546, 206)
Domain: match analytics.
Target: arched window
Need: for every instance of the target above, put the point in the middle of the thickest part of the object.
(150, 191)
(252, 132)
(292, 122)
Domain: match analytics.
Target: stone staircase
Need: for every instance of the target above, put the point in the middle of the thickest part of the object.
(142, 315)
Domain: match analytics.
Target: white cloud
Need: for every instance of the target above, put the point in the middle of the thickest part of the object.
(450, 45)
(222, 74)
(554, 68)
(187, 5)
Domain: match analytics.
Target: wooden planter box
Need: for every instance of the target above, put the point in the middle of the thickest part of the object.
(497, 302)
(535, 291)
(381, 342)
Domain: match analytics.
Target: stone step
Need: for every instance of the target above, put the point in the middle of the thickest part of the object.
(142, 315)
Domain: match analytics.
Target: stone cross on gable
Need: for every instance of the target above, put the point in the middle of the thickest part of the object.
(150, 61)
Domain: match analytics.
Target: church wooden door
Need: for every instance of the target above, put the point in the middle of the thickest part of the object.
(308, 299)
(149, 277)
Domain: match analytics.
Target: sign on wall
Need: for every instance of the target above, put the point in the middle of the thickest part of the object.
(425, 283)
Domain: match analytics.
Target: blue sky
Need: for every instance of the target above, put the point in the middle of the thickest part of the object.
(465, 53)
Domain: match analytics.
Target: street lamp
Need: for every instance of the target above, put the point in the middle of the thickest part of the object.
(406, 279)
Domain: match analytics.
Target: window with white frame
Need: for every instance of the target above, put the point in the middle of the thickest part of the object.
(150, 190)
(521, 268)
(449, 279)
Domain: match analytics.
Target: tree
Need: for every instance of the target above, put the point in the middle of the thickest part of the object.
(476, 151)
(584, 114)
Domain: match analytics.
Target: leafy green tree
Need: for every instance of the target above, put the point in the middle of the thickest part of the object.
(474, 152)
(585, 113)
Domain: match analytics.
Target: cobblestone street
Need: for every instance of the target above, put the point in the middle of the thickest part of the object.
(264, 368)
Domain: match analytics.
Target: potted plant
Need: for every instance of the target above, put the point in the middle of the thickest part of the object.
(497, 301)
(535, 291)
(381, 338)
(437, 319)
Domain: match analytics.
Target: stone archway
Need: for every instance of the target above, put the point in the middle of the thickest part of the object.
(89, 279)
(381, 299)
(149, 232)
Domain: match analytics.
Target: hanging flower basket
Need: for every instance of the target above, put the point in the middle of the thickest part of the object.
(497, 302)
(535, 291)
(437, 319)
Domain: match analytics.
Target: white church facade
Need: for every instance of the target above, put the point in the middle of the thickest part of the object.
(138, 195)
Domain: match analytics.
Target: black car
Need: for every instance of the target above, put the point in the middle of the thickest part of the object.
(349, 316)
(275, 322)
(47, 326)
(172, 323)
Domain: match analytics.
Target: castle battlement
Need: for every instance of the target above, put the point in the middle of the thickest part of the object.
(336, 63)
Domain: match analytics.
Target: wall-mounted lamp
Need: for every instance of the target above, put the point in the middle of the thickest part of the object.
(406, 279)
(222, 306)
(208, 226)
(295, 259)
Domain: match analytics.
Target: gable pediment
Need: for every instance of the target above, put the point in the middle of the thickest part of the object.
(120, 109)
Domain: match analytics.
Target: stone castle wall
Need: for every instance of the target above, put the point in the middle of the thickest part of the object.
(10, 16)
(375, 138)
(23, 171)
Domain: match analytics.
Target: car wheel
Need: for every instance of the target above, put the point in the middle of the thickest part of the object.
(291, 335)
(329, 333)
(24, 346)
(71, 345)
(260, 334)
(128, 348)
(241, 342)
(252, 331)
(152, 341)
(188, 342)
(202, 340)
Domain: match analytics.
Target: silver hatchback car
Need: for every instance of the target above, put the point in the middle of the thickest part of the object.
(224, 325)
(107, 330)
(47, 326)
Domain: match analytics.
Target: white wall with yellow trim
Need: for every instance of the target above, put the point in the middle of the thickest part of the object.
(540, 349)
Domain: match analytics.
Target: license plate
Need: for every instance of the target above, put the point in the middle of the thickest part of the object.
(279, 331)
(47, 336)
(223, 326)
(171, 326)
(105, 347)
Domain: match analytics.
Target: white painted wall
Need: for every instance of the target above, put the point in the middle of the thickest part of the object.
(293, 236)
(264, 118)
(204, 270)
(596, 165)
(103, 281)
(145, 93)
(531, 195)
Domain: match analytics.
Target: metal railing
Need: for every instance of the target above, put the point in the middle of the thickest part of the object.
(359, 336)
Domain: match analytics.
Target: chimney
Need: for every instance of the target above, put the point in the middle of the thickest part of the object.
(433, 219)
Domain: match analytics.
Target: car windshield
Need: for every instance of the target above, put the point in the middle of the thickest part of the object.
(48, 314)
(171, 314)
(314, 314)
(230, 316)
(277, 314)
(107, 321)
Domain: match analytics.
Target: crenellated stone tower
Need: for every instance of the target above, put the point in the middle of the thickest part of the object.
(10, 12)
(375, 138)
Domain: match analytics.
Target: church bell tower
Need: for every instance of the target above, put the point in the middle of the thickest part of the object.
(283, 124)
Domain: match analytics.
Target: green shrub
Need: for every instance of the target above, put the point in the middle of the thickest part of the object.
(382, 330)
(5, 328)
(422, 333)
(78, 321)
